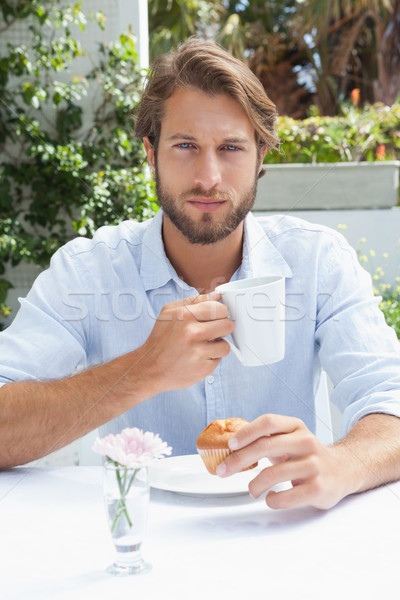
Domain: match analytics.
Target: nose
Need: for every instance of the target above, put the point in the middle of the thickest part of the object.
(208, 171)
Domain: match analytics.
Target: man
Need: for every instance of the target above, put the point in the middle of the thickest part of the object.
(125, 329)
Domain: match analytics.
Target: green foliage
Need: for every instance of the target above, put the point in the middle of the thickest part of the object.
(390, 306)
(172, 22)
(389, 294)
(334, 46)
(4, 287)
(66, 168)
(355, 135)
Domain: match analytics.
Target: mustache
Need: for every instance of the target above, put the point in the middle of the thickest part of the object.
(215, 195)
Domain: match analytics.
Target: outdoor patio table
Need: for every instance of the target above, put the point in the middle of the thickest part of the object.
(55, 544)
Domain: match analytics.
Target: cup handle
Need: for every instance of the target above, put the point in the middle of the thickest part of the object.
(235, 349)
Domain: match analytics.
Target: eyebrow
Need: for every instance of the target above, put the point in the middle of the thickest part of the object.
(181, 136)
(190, 138)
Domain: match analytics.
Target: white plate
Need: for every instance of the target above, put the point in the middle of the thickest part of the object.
(188, 475)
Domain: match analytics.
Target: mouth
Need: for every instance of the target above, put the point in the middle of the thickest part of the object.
(206, 204)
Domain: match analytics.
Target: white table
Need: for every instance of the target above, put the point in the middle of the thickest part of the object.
(54, 544)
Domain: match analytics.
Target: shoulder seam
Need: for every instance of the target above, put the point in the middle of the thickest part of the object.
(93, 243)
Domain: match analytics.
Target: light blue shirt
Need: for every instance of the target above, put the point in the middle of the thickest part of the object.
(99, 299)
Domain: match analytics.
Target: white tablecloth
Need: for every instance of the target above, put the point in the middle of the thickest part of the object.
(54, 543)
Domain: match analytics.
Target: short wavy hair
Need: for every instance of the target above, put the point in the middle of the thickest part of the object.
(205, 66)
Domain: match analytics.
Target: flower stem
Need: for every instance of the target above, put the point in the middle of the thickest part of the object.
(124, 488)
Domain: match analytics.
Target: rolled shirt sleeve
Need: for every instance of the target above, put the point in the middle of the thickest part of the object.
(41, 343)
(359, 351)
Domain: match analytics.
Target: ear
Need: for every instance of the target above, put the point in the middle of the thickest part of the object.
(149, 152)
(263, 152)
(261, 169)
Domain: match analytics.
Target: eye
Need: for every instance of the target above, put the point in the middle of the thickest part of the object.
(184, 145)
(231, 148)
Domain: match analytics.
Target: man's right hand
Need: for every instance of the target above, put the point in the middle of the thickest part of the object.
(185, 344)
(183, 348)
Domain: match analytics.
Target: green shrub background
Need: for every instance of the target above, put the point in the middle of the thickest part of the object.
(65, 171)
(368, 134)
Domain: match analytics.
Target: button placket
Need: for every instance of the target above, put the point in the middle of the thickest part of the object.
(213, 395)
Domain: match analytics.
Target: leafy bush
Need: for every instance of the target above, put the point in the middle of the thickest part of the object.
(65, 169)
(390, 306)
(356, 135)
(390, 300)
(389, 294)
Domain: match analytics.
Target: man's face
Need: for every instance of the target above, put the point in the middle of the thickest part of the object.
(206, 165)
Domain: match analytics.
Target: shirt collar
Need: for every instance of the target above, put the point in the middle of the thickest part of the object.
(260, 257)
(155, 268)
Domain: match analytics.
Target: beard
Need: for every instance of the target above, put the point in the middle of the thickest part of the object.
(208, 230)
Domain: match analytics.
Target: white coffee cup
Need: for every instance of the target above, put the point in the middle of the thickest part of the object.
(257, 308)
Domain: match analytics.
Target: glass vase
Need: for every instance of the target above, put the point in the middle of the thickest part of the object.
(126, 495)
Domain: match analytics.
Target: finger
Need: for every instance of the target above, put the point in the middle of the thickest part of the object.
(207, 310)
(291, 498)
(281, 447)
(292, 470)
(199, 307)
(207, 331)
(218, 349)
(198, 298)
(304, 494)
(277, 448)
(192, 300)
(266, 425)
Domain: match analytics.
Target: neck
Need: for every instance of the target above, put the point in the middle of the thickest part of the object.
(203, 266)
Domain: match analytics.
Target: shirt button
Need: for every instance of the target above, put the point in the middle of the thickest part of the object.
(210, 379)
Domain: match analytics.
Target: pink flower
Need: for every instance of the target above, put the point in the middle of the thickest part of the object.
(131, 447)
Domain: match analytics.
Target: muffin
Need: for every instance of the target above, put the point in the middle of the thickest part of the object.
(212, 443)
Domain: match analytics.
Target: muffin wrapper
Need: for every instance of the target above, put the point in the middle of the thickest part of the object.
(212, 458)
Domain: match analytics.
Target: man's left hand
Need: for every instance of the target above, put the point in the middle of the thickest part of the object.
(296, 456)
